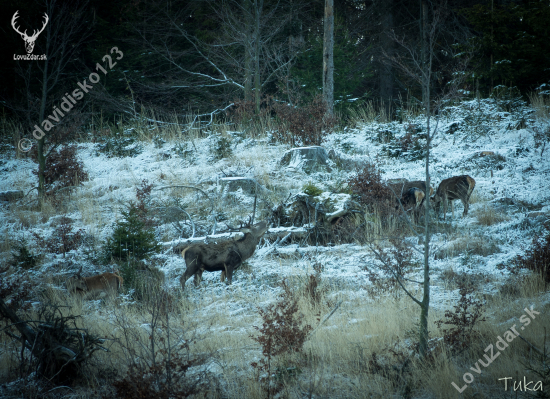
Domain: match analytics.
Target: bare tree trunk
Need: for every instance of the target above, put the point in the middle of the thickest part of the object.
(328, 57)
(424, 49)
(386, 68)
(257, 84)
(426, 69)
(248, 53)
(41, 155)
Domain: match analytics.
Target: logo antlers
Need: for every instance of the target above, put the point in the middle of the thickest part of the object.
(29, 40)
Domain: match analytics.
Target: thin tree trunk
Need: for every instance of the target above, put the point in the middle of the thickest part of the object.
(386, 70)
(424, 49)
(248, 49)
(40, 147)
(328, 57)
(426, 65)
(257, 84)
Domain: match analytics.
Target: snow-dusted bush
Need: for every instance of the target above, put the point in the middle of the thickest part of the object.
(63, 169)
(537, 256)
(131, 238)
(119, 144)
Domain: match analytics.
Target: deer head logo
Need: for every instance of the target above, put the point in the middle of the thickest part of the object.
(29, 40)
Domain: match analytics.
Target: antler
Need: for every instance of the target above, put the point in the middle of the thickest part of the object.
(231, 228)
(34, 35)
(242, 224)
(24, 34)
(15, 16)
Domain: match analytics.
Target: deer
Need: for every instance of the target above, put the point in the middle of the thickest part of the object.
(413, 199)
(400, 188)
(453, 188)
(410, 194)
(108, 283)
(226, 256)
(29, 40)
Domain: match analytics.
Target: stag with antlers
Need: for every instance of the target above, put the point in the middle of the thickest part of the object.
(225, 256)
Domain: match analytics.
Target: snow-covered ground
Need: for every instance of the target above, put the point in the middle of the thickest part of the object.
(514, 182)
(517, 175)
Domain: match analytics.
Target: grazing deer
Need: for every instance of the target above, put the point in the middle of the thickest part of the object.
(225, 256)
(410, 194)
(108, 283)
(413, 199)
(400, 188)
(457, 187)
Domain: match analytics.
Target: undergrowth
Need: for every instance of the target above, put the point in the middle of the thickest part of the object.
(282, 333)
(537, 257)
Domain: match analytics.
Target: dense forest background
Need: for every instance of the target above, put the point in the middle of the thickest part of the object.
(183, 57)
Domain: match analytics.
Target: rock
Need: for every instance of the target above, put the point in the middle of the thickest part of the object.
(232, 184)
(308, 159)
(11, 195)
(486, 154)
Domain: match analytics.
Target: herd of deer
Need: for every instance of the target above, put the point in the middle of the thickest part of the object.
(227, 256)
(412, 194)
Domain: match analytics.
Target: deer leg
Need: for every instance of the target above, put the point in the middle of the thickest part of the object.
(183, 279)
(445, 207)
(192, 267)
(465, 203)
(229, 273)
(222, 277)
(452, 208)
(198, 276)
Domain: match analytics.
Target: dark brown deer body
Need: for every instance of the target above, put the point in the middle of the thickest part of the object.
(401, 188)
(413, 199)
(108, 283)
(453, 188)
(411, 195)
(225, 257)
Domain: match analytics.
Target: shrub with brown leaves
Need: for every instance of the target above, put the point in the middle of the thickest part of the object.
(63, 169)
(64, 239)
(466, 314)
(308, 124)
(537, 257)
(367, 185)
(281, 333)
(395, 263)
(163, 380)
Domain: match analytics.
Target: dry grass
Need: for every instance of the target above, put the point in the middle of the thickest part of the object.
(89, 208)
(520, 287)
(468, 244)
(488, 216)
(362, 115)
(219, 321)
(453, 279)
(477, 196)
(541, 105)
